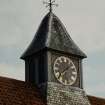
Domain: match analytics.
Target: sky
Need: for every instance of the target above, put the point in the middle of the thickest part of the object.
(84, 21)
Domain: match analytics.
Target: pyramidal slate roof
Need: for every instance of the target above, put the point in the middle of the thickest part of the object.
(53, 35)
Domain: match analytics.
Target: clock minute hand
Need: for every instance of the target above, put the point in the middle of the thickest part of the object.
(66, 69)
(63, 72)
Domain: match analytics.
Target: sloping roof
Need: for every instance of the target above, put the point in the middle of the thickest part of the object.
(53, 35)
(14, 92)
(96, 100)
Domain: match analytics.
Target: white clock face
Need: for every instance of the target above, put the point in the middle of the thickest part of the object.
(65, 70)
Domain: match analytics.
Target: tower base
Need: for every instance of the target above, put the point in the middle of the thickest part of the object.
(57, 94)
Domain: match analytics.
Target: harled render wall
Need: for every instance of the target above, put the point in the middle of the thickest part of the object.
(57, 94)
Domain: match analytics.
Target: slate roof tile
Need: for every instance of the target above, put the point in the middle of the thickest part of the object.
(52, 35)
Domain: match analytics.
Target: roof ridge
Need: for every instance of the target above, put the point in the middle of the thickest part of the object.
(49, 28)
(1, 77)
(96, 97)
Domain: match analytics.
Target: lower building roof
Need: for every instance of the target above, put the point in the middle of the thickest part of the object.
(15, 92)
(96, 100)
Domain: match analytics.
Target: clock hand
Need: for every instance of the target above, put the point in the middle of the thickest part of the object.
(66, 69)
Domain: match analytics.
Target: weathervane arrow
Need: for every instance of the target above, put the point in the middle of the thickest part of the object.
(50, 4)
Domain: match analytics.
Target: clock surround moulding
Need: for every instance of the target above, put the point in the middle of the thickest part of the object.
(64, 70)
(53, 55)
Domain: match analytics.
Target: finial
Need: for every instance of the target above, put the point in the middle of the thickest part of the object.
(50, 4)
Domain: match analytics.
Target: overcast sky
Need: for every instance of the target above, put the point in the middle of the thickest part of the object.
(84, 20)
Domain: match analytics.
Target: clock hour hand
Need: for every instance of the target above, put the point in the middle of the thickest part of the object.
(66, 69)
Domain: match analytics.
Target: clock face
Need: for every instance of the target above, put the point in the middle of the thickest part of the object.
(65, 70)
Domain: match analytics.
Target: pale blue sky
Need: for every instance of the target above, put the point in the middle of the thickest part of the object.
(84, 20)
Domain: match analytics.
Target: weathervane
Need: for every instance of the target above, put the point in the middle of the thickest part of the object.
(50, 4)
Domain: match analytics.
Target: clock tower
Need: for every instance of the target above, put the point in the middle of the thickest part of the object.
(53, 62)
